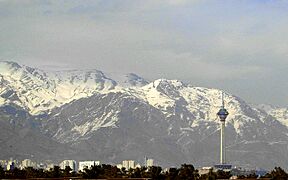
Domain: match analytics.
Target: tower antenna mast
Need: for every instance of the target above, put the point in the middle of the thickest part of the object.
(223, 103)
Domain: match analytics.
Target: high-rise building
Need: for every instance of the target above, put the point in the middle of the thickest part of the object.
(70, 163)
(3, 163)
(149, 162)
(10, 165)
(49, 164)
(28, 163)
(87, 164)
(128, 164)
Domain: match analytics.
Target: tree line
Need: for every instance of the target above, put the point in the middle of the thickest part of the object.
(104, 171)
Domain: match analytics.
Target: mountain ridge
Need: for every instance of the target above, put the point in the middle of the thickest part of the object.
(130, 117)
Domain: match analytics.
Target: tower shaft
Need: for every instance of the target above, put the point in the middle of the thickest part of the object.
(222, 143)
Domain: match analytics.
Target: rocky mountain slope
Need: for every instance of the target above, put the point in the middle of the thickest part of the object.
(111, 117)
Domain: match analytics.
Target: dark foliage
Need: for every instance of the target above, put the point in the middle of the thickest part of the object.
(185, 172)
(277, 174)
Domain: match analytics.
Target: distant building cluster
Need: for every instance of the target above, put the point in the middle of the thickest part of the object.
(80, 166)
(12, 163)
(130, 164)
(127, 164)
(87, 164)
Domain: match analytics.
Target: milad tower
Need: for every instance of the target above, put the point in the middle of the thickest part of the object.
(222, 114)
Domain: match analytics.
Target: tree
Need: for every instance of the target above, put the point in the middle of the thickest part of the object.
(143, 172)
(210, 176)
(2, 172)
(18, 173)
(223, 175)
(31, 172)
(56, 172)
(123, 172)
(93, 173)
(187, 171)
(277, 174)
(136, 173)
(154, 172)
(42, 174)
(110, 171)
(172, 173)
(67, 171)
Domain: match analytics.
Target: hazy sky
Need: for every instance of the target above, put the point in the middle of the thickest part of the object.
(240, 46)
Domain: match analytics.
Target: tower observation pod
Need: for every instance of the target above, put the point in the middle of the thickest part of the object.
(222, 114)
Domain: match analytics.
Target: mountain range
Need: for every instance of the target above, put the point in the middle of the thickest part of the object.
(89, 114)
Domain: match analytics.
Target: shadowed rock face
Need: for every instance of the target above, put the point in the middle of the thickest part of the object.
(166, 120)
(20, 137)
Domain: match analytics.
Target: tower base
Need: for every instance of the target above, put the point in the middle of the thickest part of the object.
(223, 167)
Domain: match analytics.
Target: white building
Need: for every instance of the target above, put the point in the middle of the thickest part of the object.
(70, 163)
(138, 165)
(128, 164)
(49, 166)
(11, 164)
(149, 162)
(28, 163)
(87, 164)
(119, 166)
(3, 163)
(205, 170)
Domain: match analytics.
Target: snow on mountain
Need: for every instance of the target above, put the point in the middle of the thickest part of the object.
(172, 96)
(127, 80)
(113, 117)
(38, 91)
(280, 113)
(157, 120)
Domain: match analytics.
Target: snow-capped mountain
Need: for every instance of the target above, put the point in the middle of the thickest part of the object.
(279, 113)
(113, 117)
(38, 91)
